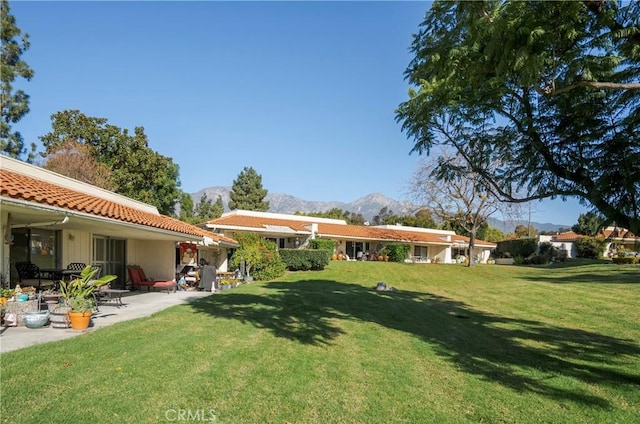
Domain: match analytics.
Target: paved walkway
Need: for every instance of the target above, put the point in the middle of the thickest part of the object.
(137, 305)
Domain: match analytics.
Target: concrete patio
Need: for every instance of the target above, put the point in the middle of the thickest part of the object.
(137, 304)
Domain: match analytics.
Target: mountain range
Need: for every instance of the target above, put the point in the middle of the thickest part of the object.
(369, 206)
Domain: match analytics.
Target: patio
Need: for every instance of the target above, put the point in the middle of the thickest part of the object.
(137, 304)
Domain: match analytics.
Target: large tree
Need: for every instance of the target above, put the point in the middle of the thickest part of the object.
(14, 104)
(138, 171)
(589, 224)
(542, 99)
(75, 160)
(461, 201)
(247, 192)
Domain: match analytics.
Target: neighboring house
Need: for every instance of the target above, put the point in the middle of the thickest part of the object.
(615, 238)
(562, 242)
(293, 231)
(52, 220)
(618, 238)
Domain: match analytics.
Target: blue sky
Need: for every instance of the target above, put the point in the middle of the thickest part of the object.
(303, 92)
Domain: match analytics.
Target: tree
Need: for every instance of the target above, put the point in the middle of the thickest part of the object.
(218, 208)
(493, 235)
(261, 258)
(461, 201)
(206, 210)
(523, 231)
(186, 208)
(382, 216)
(138, 172)
(589, 224)
(542, 99)
(13, 104)
(423, 218)
(351, 218)
(74, 160)
(247, 192)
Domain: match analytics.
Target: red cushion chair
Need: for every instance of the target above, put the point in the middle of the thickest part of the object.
(139, 279)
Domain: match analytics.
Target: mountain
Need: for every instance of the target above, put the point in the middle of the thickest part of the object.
(368, 206)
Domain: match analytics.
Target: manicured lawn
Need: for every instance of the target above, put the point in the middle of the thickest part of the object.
(495, 344)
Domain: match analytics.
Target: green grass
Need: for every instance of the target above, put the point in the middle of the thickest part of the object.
(495, 344)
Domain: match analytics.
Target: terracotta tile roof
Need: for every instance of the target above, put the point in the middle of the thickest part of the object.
(26, 188)
(479, 243)
(619, 233)
(259, 223)
(568, 236)
(328, 230)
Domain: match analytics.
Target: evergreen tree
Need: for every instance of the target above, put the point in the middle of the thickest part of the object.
(589, 224)
(206, 210)
(13, 104)
(247, 192)
(186, 208)
(218, 208)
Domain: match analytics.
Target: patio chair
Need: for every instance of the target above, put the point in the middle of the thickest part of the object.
(139, 280)
(76, 266)
(29, 275)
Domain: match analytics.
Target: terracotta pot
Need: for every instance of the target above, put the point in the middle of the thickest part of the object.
(380, 258)
(334, 257)
(80, 320)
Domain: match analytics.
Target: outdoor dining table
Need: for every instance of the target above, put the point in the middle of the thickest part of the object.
(57, 273)
(51, 273)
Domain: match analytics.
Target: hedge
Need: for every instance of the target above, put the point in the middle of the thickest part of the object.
(305, 259)
(626, 260)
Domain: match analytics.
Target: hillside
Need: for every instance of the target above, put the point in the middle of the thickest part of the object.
(368, 206)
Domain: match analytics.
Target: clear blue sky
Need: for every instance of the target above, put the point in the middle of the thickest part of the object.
(303, 92)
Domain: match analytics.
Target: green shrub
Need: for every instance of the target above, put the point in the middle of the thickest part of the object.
(626, 260)
(397, 252)
(589, 247)
(263, 262)
(523, 247)
(322, 244)
(305, 259)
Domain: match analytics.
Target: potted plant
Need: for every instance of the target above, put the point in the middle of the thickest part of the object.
(78, 296)
(5, 295)
(51, 298)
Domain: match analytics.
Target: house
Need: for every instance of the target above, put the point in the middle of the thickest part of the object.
(562, 242)
(52, 220)
(615, 238)
(294, 231)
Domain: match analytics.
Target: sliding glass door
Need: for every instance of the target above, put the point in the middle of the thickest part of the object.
(110, 254)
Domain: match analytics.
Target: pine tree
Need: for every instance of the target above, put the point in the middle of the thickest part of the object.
(14, 104)
(247, 192)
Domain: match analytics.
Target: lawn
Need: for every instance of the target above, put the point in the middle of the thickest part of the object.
(494, 344)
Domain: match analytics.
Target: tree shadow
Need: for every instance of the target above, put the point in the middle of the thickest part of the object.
(524, 355)
(622, 276)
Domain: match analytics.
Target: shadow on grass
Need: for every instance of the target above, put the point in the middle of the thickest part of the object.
(524, 355)
(625, 274)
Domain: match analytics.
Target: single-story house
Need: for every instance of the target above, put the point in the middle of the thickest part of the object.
(614, 237)
(294, 231)
(52, 220)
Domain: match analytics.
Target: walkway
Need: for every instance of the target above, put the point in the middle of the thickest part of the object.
(137, 305)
